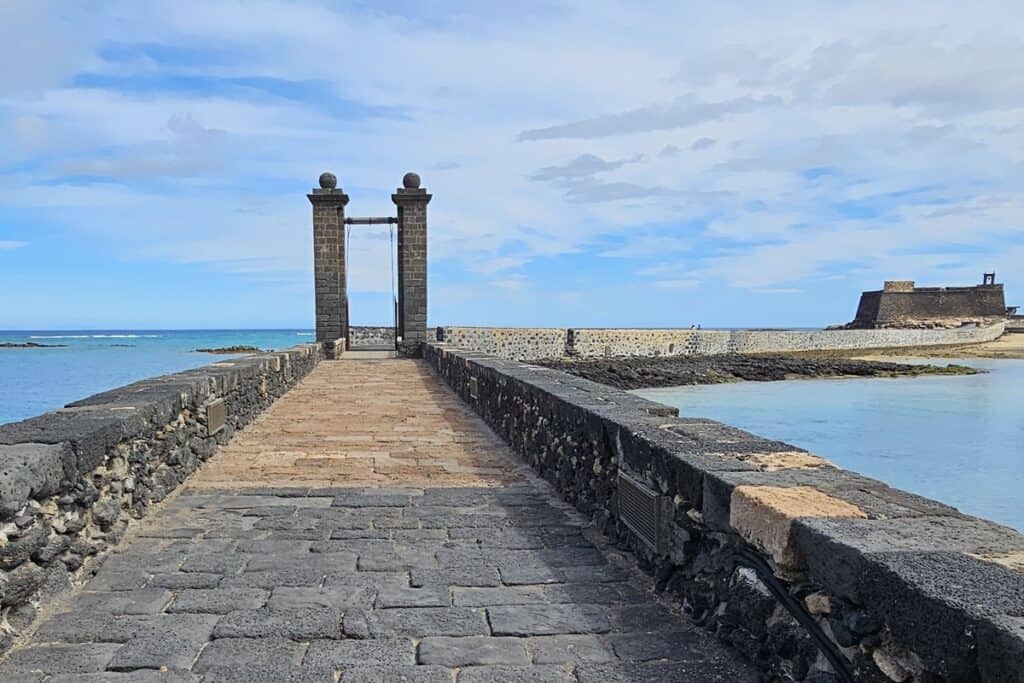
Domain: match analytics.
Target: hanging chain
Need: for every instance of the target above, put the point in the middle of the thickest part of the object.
(394, 297)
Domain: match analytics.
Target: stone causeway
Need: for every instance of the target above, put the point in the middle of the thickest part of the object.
(358, 537)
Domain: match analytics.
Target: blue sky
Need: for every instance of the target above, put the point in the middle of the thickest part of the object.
(592, 163)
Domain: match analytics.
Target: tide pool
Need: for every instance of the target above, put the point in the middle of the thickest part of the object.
(34, 381)
(958, 439)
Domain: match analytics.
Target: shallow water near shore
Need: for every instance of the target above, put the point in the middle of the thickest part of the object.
(958, 439)
(37, 380)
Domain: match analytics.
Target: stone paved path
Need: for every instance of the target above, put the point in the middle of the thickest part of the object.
(456, 565)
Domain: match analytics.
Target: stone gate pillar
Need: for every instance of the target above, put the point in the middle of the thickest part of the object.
(412, 201)
(329, 259)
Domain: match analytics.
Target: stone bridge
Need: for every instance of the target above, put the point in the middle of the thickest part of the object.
(323, 514)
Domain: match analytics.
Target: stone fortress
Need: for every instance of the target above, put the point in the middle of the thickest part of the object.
(900, 304)
(328, 513)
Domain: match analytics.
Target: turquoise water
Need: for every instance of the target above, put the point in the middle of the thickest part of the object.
(958, 439)
(33, 381)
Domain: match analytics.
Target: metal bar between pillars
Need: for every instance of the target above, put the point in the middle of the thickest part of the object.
(387, 220)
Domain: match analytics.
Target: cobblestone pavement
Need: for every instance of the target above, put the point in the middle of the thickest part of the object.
(455, 581)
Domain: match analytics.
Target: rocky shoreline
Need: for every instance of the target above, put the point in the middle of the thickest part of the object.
(643, 373)
(231, 349)
(30, 345)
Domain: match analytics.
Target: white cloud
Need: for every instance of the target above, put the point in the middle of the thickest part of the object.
(11, 244)
(541, 133)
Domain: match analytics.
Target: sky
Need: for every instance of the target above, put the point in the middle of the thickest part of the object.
(593, 163)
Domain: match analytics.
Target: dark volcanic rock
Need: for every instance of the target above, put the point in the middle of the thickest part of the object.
(231, 349)
(29, 345)
(640, 372)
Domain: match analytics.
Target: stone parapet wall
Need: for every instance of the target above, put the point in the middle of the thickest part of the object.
(366, 335)
(770, 547)
(518, 343)
(72, 480)
(536, 343)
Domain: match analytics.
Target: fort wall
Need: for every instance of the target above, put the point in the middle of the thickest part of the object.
(72, 480)
(901, 303)
(770, 547)
(535, 343)
(367, 335)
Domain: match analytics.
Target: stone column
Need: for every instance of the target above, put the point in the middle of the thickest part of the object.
(329, 259)
(412, 201)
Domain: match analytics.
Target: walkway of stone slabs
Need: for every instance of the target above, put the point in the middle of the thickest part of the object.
(367, 528)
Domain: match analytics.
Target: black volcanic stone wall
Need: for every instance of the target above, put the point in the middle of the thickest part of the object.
(72, 480)
(903, 594)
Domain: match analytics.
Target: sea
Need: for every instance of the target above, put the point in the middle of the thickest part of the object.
(34, 381)
(956, 438)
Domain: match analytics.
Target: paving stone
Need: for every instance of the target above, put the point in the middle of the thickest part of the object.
(604, 574)
(584, 593)
(362, 534)
(274, 547)
(569, 650)
(118, 580)
(297, 576)
(529, 574)
(505, 595)
(340, 653)
(355, 545)
(472, 651)
(513, 539)
(156, 652)
(247, 652)
(22, 677)
(416, 536)
(396, 674)
(84, 627)
(180, 580)
(375, 580)
(139, 601)
(393, 561)
(376, 500)
(141, 676)
(326, 562)
(538, 673)
(219, 563)
(427, 596)
(525, 620)
(459, 576)
(279, 673)
(341, 597)
(304, 623)
(427, 621)
(60, 658)
(217, 600)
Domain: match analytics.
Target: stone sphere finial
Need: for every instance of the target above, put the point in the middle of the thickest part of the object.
(328, 181)
(411, 181)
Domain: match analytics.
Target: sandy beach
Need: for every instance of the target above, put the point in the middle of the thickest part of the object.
(1010, 345)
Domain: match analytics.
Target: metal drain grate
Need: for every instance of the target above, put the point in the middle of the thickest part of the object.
(640, 510)
(216, 414)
